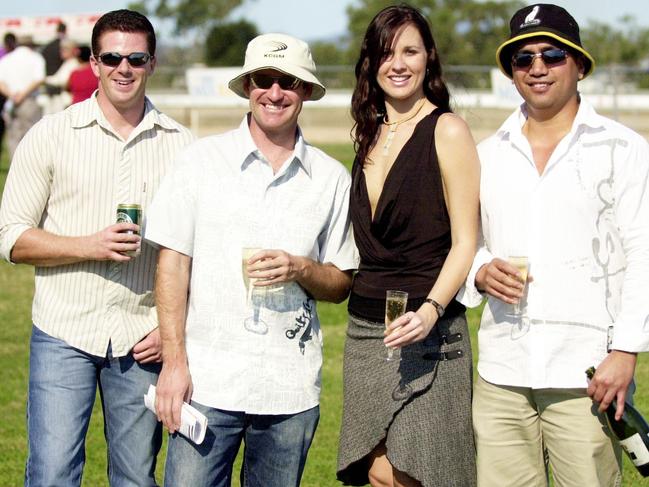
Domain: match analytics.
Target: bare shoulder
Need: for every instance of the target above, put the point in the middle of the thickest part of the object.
(450, 126)
(455, 146)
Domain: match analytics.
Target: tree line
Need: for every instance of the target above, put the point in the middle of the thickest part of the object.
(467, 32)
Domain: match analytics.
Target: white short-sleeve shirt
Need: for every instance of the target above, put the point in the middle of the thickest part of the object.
(20, 68)
(222, 197)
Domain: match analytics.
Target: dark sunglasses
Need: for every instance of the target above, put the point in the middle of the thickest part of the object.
(266, 81)
(135, 59)
(549, 57)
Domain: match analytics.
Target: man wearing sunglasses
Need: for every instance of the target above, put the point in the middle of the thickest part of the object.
(566, 188)
(250, 360)
(94, 320)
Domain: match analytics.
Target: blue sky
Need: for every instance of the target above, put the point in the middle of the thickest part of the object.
(316, 19)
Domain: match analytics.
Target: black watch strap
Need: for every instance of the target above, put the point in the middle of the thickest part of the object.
(438, 307)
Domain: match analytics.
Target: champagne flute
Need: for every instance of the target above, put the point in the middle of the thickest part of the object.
(395, 306)
(252, 323)
(521, 263)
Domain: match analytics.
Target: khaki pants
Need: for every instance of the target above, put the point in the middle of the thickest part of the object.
(519, 429)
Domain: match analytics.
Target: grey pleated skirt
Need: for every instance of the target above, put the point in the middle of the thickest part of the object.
(420, 406)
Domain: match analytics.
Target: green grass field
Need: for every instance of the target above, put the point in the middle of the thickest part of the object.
(16, 288)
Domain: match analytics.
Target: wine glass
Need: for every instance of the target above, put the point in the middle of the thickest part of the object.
(252, 323)
(395, 306)
(521, 263)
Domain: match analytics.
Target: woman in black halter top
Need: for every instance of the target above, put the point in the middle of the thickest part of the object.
(414, 207)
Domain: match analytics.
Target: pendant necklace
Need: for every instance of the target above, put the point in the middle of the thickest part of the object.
(393, 126)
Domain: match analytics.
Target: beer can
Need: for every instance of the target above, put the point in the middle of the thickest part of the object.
(130, 213)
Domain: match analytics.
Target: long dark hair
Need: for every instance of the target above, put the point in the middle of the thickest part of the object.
(368, 102)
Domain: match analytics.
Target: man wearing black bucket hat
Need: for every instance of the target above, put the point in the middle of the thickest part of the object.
(565, 190)
(248, 352)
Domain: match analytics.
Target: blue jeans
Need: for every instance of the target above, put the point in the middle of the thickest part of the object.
(62, 386)
(274, 454)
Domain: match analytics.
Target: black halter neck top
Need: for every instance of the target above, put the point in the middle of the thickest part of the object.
(406, 243)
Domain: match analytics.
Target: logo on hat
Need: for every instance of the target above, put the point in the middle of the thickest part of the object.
(277, 46)
(274, 47)
(531, 19)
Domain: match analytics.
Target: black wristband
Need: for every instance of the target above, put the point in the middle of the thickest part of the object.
(438, 307)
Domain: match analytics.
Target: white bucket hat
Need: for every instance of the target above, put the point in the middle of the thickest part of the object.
(283, 53)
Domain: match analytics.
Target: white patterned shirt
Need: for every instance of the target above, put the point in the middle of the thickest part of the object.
(584, 225)
(221, 197)
(67, 177)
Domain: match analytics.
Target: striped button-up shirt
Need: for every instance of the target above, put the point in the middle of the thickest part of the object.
(67, 177)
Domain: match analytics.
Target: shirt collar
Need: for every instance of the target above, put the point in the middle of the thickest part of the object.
(586, 118)
(249, 150)
(89, 112)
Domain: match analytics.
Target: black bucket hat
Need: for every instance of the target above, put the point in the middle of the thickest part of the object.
(542, 20)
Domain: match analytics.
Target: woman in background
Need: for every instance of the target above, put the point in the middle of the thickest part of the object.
(82, 82)
(414, 207)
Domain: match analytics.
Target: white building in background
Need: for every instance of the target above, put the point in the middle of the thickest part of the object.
(42, 29)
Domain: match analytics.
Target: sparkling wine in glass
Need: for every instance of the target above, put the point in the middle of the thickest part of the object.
(254, 323)
(521, 263)
(395, 306)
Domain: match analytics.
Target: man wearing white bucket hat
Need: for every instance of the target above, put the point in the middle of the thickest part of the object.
(240, 331)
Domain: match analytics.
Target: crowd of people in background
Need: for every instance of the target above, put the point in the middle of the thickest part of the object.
(58, 71)
(214, 300)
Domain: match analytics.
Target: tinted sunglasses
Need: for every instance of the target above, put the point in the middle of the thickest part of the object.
(113, 59)
(549, 57)
(266, 81)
